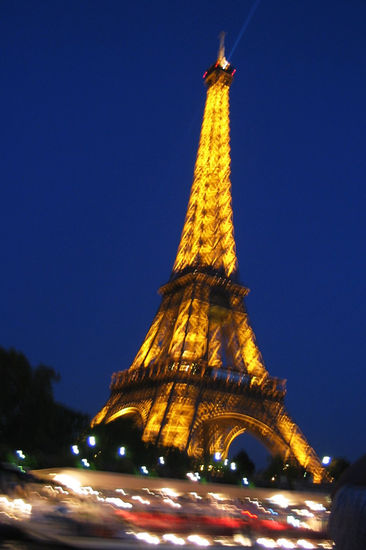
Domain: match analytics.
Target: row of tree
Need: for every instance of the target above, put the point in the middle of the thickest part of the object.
(31, 420)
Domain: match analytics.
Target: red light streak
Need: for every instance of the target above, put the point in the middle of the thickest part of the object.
(249, 514)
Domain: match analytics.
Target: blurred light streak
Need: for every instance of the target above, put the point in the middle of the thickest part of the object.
(118, 502)
(238, 538)
(16, 508)
(280, 500)
(68, 481)
(267, 543)
(216, 496)
(169, 537)
(197, 539)
(140, 499)
(172, 503)
(147, 537)
(315, 506)
(195, 495)
(169, 492)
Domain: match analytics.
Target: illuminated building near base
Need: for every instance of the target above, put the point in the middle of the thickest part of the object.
(199, 380)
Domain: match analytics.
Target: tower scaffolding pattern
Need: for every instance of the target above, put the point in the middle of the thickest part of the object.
(198, 379)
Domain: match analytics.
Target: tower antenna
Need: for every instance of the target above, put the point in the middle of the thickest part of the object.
(221, 54)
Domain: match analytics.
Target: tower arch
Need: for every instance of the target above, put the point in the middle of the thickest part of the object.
(128, 412)
(218, 432)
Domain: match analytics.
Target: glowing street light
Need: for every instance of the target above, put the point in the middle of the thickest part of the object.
(326, 460)
(161, 460)
(122, 451)
(75, 449)
(91, 441)
(20, 453)
(193, 476)
(217, 456)
(233, 466)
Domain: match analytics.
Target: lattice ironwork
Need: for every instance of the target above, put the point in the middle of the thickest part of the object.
(199, 379)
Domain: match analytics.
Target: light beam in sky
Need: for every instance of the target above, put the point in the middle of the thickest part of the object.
(244, 27)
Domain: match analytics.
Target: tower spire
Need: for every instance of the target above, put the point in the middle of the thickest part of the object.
(221, 53)
(207, 238)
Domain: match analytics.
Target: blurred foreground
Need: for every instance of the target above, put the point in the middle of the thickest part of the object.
(85, 509)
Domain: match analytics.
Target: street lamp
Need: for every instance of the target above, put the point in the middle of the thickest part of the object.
(91, 441)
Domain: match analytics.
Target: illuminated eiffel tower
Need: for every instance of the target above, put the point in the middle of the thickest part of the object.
(198, 380)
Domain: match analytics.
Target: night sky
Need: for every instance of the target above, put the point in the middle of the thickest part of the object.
(101, 104)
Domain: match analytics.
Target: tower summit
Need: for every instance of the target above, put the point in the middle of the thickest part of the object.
(199, 380)
(208, 233)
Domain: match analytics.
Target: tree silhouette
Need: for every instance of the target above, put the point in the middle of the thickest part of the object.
(245, 466)
(30, 419)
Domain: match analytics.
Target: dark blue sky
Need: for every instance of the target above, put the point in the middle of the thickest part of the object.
(101, 105)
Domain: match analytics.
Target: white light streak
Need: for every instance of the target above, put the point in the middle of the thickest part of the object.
(118, 502)
(169, 537)
(267, 543)
(314, 506)
(140, 499)
(169, 492)
(197, 539)
(147, 537)
(280, 500)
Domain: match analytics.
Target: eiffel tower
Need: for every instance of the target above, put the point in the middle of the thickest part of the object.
(199, 380)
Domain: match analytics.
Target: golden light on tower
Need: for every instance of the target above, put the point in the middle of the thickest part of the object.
(208, 233)
(199, 380)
